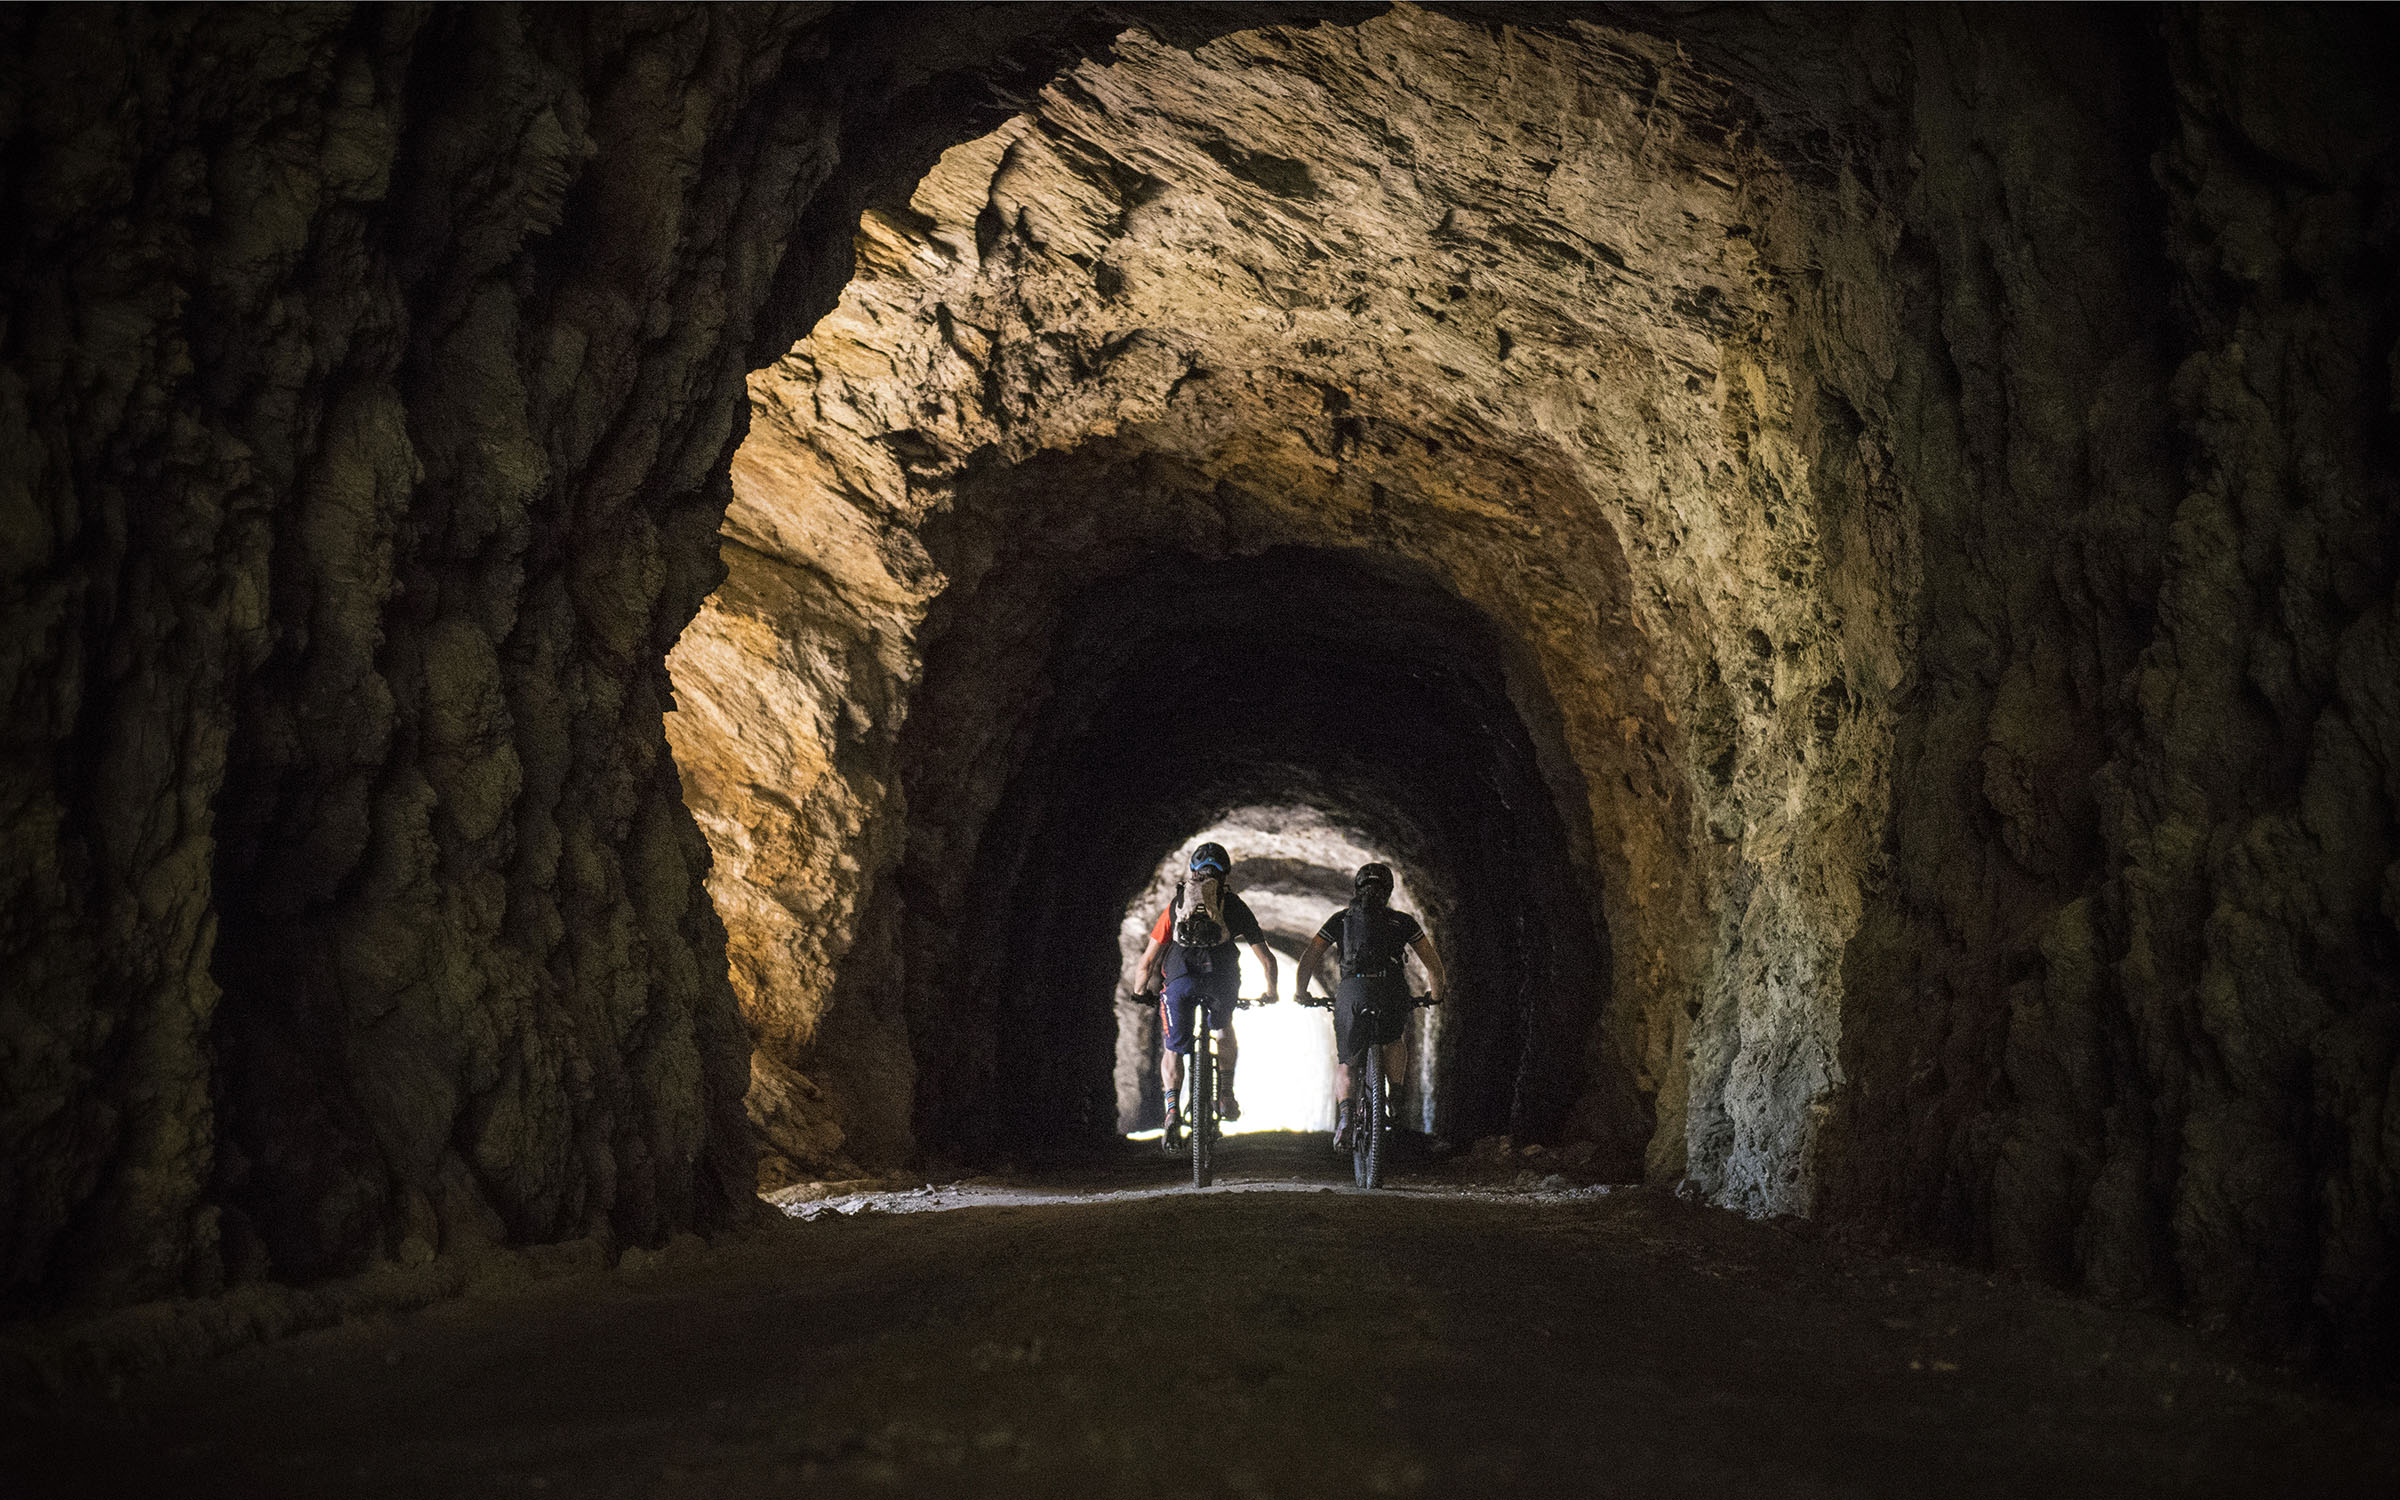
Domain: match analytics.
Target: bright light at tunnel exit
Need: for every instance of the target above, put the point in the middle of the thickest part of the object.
(1284, 1079)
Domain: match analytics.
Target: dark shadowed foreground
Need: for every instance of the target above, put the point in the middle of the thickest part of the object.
(1273, 1337)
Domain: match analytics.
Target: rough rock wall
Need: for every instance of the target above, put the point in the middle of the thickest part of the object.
(367, 385)
(370, 390)
(2024, 413)
(2126, 1018)
(2127, 616)
(2257, 808)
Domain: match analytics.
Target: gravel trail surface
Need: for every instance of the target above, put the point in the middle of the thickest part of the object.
(1105, 1333)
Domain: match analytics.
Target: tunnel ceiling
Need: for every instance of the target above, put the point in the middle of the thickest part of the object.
(1501, 309)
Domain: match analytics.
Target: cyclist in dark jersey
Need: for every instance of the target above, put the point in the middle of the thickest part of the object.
(1208, 975)
(1371, 1006)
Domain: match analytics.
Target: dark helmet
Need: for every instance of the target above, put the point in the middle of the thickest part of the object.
(1211, 857)
(1373, 876)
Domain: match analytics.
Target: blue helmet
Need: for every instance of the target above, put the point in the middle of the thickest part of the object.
(1211, 858)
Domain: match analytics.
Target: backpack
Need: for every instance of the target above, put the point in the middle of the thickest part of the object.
(1370, 943)
(1200, 922)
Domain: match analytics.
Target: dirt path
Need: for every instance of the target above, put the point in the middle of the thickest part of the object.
(1273, 1337)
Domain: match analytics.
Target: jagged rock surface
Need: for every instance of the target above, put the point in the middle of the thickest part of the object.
(1410, 288)
(370, 379)
(1909, 544)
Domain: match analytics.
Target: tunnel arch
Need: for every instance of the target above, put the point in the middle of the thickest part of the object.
(1339, 680)
(1556, 371)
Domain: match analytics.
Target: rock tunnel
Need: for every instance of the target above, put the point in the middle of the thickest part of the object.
(600, 603)
(1122, 407)
(1352, 693)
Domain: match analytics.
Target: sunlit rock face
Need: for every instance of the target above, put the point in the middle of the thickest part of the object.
(1873, 528)
(1412, 289)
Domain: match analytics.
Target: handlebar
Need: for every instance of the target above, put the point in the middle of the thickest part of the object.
(1240, 1002)
(1323, 1002)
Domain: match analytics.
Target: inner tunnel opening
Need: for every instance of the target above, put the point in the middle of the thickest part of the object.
(1171, 695)
(1293, 867)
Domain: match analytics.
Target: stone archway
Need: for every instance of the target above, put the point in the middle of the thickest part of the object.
(1123, 331)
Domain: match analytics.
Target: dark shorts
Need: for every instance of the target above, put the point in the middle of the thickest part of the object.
(1185, 993)
(1368, 1013)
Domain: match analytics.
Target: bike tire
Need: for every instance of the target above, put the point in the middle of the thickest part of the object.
(1204, 1106)
(1366, 1142)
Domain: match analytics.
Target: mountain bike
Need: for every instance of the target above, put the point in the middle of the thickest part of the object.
(1371, 1121)
(1201, 1078)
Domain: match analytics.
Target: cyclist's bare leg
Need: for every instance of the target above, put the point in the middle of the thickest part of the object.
(1395, 1067)
(1227, 1050)
(1170, 1079)
(1395, 1060)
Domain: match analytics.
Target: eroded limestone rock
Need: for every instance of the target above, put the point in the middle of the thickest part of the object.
(1414, 288)
(369, 383)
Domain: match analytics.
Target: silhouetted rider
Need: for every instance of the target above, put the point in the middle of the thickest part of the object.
(1371, 1006)
(1197, 936)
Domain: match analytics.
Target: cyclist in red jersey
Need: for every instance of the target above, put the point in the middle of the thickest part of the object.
(1197, 942)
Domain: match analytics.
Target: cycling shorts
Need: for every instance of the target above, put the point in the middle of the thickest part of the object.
(1369, 1013)
(1186, 992)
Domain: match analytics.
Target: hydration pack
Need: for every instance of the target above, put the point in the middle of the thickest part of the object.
(1200, 921)
(1371, 943)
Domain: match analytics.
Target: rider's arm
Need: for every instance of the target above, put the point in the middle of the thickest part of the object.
(1266, 961)
(1151, 958)
(1434, 980)
(1310, 961)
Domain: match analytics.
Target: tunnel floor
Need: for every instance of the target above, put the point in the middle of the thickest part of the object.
(1101, 1333)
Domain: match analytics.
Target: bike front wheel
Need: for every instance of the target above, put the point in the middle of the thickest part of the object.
(1204, 1110)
